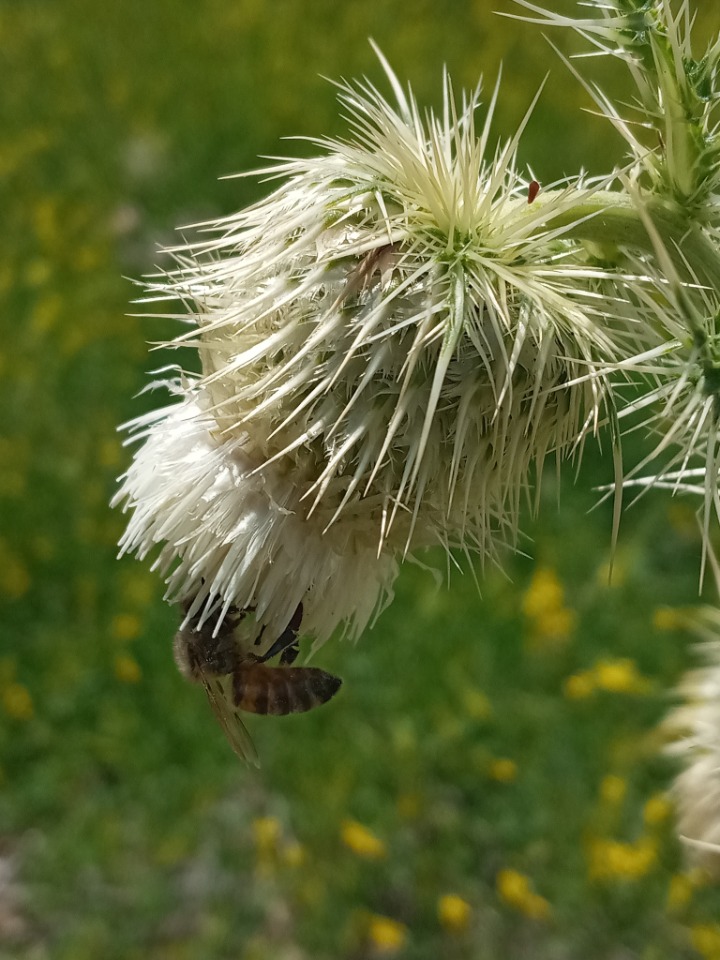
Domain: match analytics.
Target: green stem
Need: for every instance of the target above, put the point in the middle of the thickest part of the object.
(610, 217)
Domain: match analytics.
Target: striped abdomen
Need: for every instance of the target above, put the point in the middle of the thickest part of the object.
(280, 690)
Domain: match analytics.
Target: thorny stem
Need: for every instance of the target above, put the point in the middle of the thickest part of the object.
(611, 217)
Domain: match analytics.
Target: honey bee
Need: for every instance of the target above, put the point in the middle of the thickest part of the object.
(235, 681)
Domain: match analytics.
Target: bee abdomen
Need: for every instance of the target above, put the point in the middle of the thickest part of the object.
(281, 690)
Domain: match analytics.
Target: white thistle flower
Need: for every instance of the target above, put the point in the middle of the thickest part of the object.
(695, 731)
(234, 532)
(390, 343)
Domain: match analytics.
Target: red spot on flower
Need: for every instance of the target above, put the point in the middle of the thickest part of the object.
(533, 190)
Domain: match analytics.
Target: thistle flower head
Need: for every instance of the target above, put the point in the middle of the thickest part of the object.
(237, 536)
(390, 341)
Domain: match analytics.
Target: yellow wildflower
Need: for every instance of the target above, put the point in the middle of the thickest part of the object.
(512, 886)
(669, 618)
(17, 702)
(127, 669)
(705, 939)
(536, 907)
(362, 841)
(476, 704)
(503, 770)
(544, 594)
(657, 809)
(612, 789)
(614, 860)
(557, 624)
(680, 891)
(385, 935)
(515, 889)
(125, 626)
(579, 686)
(620, 676)
(293, 854)
(543, 604)
(453, 912)
(266, 832)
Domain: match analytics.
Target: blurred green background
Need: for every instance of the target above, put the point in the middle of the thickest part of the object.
(488, 783)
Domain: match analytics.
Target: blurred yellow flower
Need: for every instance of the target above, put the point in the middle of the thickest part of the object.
(515, 889)
(125, 626)
(614, 860)
(620, 676)
(669, 618)
(579, 686)
(612, 789)
(554, 624)
(385, 935)
(476, 704)
(127, 669)
(705, 938)
(453, 912)
(17, 702)
(512, 886)
(293, 854)
(680, 891)
(266, 833)
(536, 907)
(657, 809)
(503, 770)
(362, 841)
(544, 594)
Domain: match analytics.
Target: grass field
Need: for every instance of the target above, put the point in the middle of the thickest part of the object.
(488, 784)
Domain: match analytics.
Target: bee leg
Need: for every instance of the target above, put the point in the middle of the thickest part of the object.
(286, 643)
(258, 638)
(290, 654)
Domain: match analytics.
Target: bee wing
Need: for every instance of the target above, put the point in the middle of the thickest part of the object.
(228, 716)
